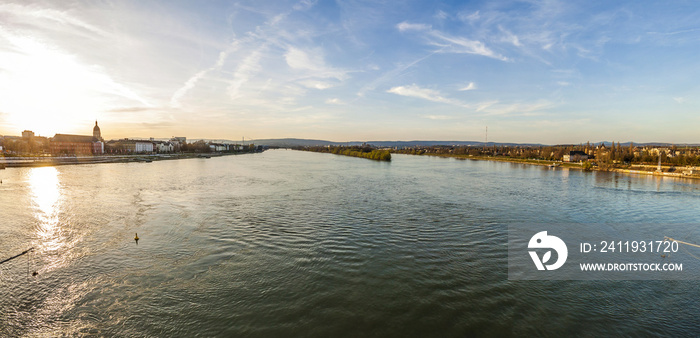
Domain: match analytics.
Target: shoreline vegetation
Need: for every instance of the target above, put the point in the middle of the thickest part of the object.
(603, 163)
(354, 151)
(45, 161)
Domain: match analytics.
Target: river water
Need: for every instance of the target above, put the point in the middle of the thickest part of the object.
(289, 243)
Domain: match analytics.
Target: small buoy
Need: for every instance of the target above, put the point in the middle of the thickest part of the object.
(34, 273)
(136, 238)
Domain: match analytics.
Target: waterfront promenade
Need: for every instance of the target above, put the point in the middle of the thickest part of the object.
(43, 161)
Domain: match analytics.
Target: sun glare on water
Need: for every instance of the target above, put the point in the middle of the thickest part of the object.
(45, 187)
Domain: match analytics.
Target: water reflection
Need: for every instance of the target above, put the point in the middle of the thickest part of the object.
(46, 197)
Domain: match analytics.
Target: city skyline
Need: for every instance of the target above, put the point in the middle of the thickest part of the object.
(546, 72)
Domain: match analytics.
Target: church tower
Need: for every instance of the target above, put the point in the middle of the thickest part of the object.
(96, 132)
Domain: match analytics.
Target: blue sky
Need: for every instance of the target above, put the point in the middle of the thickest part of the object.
(532, 71)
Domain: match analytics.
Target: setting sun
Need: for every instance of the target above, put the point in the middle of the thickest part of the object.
(46, 90)
(49, 91)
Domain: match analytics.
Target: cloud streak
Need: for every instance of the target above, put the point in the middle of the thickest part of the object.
(313, 63)
(424, 93)
(470, 86)
(192, 81)
(489, 108)
(451, 44)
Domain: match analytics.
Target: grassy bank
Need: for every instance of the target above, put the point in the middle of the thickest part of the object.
(361, 152)
(633, 169)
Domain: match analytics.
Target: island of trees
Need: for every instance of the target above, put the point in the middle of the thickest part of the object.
(364, 151)
(605, 157)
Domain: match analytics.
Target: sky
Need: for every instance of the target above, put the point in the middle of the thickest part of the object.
(529, 71)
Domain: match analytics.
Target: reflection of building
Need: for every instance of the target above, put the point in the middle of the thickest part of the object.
(65, 144)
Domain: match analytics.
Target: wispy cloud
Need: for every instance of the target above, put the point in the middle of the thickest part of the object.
(129, 110)
(304, 5)
(44, 17)
(400, 68)
(424, 93)
(438, 117)
(470, 86)
(245, 70)
(192, 81)
(510, 37)
(489, 108)
(415, 91)
(441, 15)
(470, 17)
(48, 68)
(522, 109)
(450, 44)
(316, 84)
(298, 59)
(485, 105)
(405, 26)
(334, 100)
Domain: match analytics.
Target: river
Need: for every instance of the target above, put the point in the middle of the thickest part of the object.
(290, 243)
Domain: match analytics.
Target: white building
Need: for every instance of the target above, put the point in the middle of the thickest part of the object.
(143, 146)
(164, 147)
(218, 146)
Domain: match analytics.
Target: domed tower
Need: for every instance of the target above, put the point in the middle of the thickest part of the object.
(96, 132)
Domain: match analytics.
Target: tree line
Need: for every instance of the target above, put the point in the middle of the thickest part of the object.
(367, 152)
(614, 154)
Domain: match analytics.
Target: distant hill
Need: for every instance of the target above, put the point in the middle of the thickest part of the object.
(299, 142)
(442, 143)
(296, 142)
(293, 142)
(645, 144)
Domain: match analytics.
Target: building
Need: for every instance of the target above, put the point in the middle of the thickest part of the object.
(27, 134)
(96, 133)
(65, 144)
(575, 156)
(164, 147)
(178, 139)
(218, 146)
(178, 142)
(127, 146)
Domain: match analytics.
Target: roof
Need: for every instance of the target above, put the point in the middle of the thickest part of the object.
(129, 141)
(577, 152)
(74, 138)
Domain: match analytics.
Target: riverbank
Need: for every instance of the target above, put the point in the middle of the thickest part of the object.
(361, 152)
(633, 169)
(44, 161)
